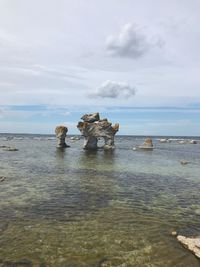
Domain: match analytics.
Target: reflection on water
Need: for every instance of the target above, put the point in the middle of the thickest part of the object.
(73, 207)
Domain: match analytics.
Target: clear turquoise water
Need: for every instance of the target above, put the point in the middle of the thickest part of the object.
(104, 208)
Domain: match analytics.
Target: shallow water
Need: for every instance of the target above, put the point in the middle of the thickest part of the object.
(104, 208)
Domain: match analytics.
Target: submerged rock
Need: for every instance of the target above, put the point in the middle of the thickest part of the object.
(18, 263)
(61, 132)
(191, 243)
(93, 128)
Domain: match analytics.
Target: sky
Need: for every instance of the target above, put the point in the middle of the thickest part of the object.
(135, 62)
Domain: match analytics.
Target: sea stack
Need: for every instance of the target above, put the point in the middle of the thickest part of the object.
(148, 144)
(93, 128)
(61, 132)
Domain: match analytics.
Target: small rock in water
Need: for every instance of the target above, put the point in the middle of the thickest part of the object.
(163, 140)
(193, 142)
(182, 142)
(184, 162)
(174, 233)
(2, 178)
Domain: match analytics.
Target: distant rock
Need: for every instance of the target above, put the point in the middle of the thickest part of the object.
(10, 149)
(74, 138)
(182, 142)
(164, 140)
(148, 144)
(93, 128)
(184, 162)
(191, 243)
(193, 142)
(61, 132)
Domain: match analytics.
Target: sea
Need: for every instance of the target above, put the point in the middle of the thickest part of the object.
(78, 208)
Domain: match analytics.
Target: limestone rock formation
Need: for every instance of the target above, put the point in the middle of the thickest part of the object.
(61, 132)
(192, 243)
(92, 128)
(148, 144)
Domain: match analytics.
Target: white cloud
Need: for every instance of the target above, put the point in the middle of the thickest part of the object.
(112, 89)
(130, 42)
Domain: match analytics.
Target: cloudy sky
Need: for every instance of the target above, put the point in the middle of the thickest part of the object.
(136, 62)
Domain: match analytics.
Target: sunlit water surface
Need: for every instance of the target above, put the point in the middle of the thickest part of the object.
(77, 208)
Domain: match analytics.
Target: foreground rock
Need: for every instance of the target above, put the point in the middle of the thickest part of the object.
(93, 128)
(191, 243)
(61, 132)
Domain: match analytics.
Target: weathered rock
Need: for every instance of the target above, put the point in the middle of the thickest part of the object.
(148, 144)
(92, 128)
(191, 243)
(91, 117)
(61, 132)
